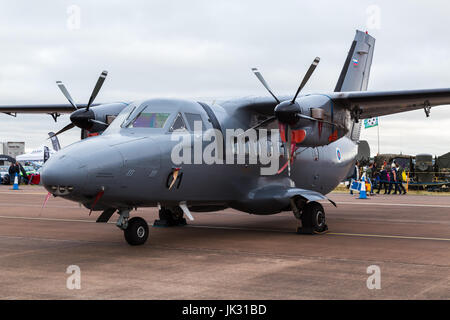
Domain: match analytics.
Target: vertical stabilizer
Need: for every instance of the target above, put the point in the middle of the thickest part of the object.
(355, 73)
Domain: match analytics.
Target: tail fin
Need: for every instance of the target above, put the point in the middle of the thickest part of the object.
(355, 73)
(55, 141)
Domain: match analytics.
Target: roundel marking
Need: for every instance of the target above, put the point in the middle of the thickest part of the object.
(338, 154)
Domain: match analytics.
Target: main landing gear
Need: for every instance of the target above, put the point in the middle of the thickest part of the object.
(170, 217)
(312, 216)
(135, 229)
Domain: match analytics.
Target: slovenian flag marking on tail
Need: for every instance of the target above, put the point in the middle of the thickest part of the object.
(372, 122)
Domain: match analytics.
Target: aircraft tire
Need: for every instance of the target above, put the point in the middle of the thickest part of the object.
(137, 231)
(172, 217)
(313, 217)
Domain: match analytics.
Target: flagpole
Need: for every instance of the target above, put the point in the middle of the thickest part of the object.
(378, 131)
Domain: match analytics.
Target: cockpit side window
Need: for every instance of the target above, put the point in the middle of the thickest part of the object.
(178, 124)
(116, 124)
(148, 119)
(192, 118)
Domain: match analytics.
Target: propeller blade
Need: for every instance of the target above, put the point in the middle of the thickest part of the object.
(97, 88)
(68, 127)
(84, 134)
(66, 93)
(264, 83)
(318, 120)
(307, 117)
(98, 122)
(282, 128)
(289, 146)
(308, 74)
(262, 123)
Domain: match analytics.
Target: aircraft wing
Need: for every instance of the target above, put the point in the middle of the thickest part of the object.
(374, 104)
(40, 108)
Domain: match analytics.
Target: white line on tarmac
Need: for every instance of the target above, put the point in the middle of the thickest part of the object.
(14, 205)
(46, 219)
(20, 193)
(395, 204)
(328, 233)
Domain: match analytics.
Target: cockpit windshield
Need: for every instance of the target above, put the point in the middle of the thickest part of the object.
(138, 117)
(149, 119)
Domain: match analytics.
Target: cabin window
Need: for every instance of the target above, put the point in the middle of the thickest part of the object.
(147, 119)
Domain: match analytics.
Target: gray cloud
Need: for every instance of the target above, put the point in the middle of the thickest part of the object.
(206, 48)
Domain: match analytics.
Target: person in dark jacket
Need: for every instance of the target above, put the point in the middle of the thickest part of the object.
(383, 180)
(393, 180)
(13, 169)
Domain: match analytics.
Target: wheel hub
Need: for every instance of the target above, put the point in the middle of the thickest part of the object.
(140, 232)
(320, 219)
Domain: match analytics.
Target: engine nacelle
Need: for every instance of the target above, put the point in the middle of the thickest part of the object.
(104, 113)
(313, 120)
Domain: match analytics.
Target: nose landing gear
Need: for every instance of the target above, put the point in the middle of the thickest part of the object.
(135, 230)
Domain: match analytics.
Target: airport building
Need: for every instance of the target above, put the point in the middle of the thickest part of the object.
(12, 148)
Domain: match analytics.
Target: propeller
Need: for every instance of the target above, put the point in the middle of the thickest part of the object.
(287, 113)
(83, 118)
(67, 127)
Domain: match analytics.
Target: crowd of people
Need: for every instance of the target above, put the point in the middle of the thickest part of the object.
(389, 177)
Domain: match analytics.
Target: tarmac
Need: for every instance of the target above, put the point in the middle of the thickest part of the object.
(227, 254)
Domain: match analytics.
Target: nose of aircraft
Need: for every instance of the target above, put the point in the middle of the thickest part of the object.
(63, 175)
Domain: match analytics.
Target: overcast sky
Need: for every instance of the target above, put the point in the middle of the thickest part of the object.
(205, 49)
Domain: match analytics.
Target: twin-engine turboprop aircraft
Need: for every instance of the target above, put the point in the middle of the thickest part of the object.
(259, 155)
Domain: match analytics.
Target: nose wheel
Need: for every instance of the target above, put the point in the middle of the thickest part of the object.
(135, 229)
(136, 232)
